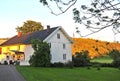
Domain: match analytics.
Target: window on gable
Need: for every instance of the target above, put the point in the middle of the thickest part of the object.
(64, 56)
(50, 45)
(64, 46)
(58, 36)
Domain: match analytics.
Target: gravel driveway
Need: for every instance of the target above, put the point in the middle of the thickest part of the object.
(9, 73)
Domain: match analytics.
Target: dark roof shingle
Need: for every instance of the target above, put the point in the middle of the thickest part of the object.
(26, 38)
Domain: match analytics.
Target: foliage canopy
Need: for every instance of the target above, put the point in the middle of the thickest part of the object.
(30, 26)
(96, 48)
(41, 56)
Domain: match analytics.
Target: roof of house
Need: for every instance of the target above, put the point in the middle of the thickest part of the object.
(26, 38)
(3, 40)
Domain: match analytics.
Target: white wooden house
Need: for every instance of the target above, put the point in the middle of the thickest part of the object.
(19, 46)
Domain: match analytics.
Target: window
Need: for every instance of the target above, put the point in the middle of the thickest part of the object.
(64, 56)
(64, 46)
(50, 45)
(58, 36)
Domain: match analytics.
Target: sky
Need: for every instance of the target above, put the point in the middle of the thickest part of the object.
(14, 12)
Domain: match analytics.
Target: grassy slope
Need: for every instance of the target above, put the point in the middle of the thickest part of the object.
(76, 74)
(105, 59)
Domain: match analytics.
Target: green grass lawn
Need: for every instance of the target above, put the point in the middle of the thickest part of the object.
(66, 74)
(105, 59)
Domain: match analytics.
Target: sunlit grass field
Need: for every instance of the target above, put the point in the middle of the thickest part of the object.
(66, 74)
(105, 59)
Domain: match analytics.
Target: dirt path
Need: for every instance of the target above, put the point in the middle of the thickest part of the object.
(9, 73)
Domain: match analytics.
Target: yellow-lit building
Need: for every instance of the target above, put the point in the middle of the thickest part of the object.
(14, 52)
(19, 47)
(2, 40)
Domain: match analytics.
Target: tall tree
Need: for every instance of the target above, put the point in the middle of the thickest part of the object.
(41, 56)
(30, 26)
(100, 14)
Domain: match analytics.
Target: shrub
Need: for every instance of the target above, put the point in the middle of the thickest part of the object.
(106, 65)
(17, 62)
(5, 62)
(101, 64)
(57, 64)
(88, 67)
(115, 55)
(116, 63)
(69, 64)
(81, 59)
(98, 68)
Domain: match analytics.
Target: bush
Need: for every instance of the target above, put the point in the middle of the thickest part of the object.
(78, 62)
(88, 67)
(81, 59)
(115, 55)
(116, 63)
(57, 64)
(69, 64)
(17, 62)
(106, 65)
(101, 64)
(5, 62)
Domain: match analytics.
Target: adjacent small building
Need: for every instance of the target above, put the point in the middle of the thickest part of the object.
(19, 47)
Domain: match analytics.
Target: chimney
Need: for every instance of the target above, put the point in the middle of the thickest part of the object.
(48, 28)
(19, 34)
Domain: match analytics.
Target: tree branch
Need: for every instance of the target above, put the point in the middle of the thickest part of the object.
(62, 10)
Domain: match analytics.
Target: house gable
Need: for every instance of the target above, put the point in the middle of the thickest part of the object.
(61, 30)
(60, 46)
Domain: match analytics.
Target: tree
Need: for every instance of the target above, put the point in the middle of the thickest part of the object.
(81, 58)
(41, 56)
(115, 55)
(100, 14)
(30, 26)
